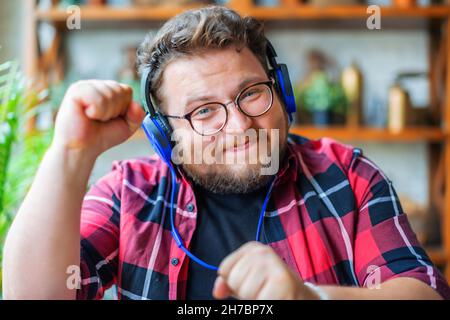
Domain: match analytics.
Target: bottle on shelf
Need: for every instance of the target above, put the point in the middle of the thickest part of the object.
(351, 80)
(398, 102)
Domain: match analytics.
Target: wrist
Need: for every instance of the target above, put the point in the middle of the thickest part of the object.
(72, 156)
(76, 163)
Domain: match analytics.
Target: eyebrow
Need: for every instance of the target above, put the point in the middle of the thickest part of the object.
(206, 98)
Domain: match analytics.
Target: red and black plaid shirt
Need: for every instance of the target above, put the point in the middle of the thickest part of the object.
(333, 217)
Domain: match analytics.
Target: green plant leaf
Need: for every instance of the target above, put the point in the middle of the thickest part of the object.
(20, 151)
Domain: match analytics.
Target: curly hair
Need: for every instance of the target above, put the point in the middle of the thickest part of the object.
(195, 31)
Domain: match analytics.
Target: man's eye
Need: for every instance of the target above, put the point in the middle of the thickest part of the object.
(251, 94)
(204, 111)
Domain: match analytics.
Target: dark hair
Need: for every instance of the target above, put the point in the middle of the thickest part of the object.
(195, 31)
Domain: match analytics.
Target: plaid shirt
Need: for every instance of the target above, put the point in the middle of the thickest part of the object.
(333, 217)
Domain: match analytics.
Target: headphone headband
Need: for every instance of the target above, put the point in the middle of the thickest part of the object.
(271, 54)
(145, 93)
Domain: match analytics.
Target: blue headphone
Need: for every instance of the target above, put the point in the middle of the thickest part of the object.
(158, 131)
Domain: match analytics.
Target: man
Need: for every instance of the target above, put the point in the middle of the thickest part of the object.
(333, 227)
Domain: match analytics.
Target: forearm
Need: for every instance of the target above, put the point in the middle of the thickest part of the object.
(44, 238)
(395, 289)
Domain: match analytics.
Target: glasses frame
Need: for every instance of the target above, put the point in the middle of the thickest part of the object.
(187, 116)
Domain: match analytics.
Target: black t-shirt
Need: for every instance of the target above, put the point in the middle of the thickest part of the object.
(224, 223)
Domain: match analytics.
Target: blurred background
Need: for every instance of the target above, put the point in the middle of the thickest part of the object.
(371, 73)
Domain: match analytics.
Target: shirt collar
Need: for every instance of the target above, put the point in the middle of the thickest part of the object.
(289, 165)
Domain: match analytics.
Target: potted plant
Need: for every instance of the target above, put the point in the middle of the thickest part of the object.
(20, 150)
(323, 98)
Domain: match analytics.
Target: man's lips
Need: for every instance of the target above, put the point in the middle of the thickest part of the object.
(242, 147)
(240, 144)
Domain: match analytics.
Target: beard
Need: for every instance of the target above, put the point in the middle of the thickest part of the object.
(233, 178)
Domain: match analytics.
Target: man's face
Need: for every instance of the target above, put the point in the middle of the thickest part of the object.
(219, 76)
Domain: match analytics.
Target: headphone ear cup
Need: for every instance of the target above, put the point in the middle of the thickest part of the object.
(158, 132)
(165, 126)
(284, 87)
(273, 75)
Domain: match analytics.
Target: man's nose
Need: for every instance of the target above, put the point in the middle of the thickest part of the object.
(237, 122)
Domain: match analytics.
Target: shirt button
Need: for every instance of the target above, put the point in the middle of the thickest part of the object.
(174, 261)
(190, 207)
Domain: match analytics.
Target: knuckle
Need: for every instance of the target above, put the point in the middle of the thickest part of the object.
(102, 100)
(127, 93)
(95, 112)
(108, 95)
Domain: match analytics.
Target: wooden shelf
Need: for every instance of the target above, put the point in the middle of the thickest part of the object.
(107, 13)
(346, 12)
(414, 134)
(307, 12)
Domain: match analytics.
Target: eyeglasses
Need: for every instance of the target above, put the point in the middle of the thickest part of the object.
(210, 118)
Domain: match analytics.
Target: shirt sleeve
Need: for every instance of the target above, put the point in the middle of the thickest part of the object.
(99, 231)
(385, 245)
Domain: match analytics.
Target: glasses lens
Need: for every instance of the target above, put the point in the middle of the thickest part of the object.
(256, 100)
(209, 119)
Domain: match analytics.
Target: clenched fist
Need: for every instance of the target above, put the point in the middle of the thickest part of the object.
(255, 271)
(96, 115)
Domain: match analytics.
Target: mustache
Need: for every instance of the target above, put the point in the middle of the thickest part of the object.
(237, 142)
(228, 142)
